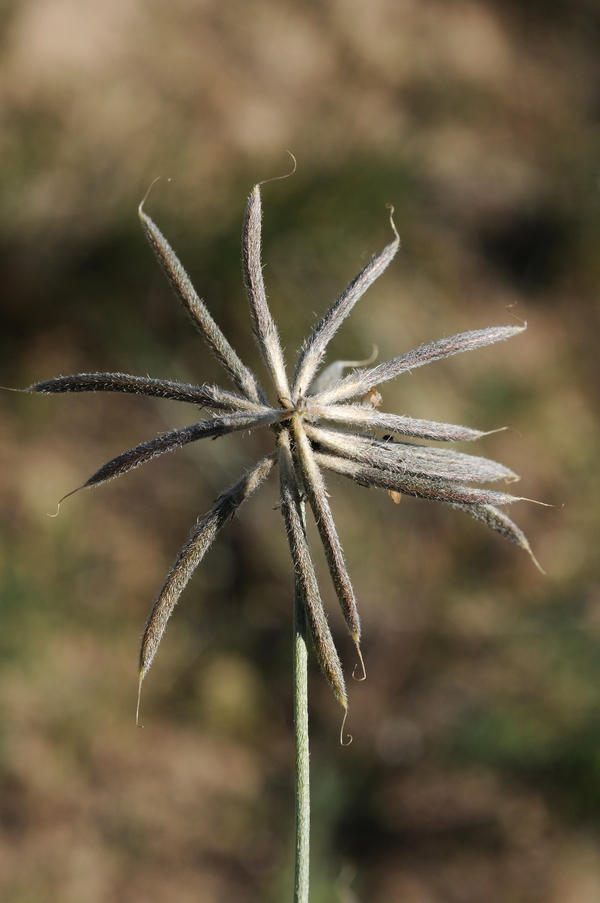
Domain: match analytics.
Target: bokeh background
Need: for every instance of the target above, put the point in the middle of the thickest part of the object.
(475, 768)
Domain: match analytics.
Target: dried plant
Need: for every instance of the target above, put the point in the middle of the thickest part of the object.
(325, 422)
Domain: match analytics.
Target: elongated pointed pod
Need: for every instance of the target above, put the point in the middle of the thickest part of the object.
(502, 524)
(206, 429)
(243, 378)
(424, 487)
(362, 417)
(316, 619)
(317, 496)
(408, 459)
(359, 382)
(205, 396)
(201, 539)
(264, 327)
(314, 347)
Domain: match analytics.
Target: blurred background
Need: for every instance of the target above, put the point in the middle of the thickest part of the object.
(475, 768)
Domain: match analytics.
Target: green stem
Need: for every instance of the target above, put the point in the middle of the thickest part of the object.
(301, 878)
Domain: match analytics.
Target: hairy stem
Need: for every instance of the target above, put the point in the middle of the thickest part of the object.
(302, 776)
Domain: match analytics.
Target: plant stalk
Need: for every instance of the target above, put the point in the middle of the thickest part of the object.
(302, 769)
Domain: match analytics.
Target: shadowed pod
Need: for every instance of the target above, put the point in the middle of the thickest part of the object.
(202, 537)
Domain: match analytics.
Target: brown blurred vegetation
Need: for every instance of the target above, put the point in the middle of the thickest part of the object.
(475, 769)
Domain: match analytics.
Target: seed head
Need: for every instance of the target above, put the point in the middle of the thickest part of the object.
(324, 422)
